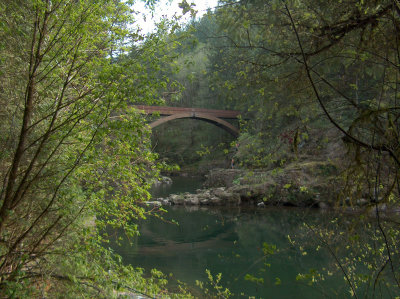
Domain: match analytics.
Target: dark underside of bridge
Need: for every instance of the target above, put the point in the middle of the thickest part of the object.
(215, 117)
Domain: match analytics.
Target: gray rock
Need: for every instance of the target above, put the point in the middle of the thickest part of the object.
(205, 195)
(194, 201)
(204, 201)
(215, 201)
(166, 180)
(176, 199)
(229, 198)
(165, 202)
(244, 191)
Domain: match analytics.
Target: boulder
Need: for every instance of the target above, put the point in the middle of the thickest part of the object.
(204, 195)
(228, 198)
(205, 201)
(191, 199)
(216, 201)
(165, 202)
(194, 201)
(176, 199)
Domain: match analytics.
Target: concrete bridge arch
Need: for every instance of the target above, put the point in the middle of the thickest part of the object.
(200, 116)
(213, 116)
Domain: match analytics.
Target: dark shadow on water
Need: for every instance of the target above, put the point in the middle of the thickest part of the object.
(230, 241)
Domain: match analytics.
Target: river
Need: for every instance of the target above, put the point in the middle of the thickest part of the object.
(230, 241)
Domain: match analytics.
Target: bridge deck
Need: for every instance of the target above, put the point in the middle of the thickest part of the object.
(164, 110)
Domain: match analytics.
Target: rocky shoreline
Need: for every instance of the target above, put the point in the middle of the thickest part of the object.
(233, 196)
(301, 185)
(234, 187)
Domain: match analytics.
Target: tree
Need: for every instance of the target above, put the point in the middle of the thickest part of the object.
(340, 57)
(71, 164)
(350, 57)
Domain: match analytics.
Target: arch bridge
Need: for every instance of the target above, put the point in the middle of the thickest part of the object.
(213, 116)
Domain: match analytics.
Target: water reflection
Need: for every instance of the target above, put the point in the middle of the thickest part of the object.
(230, 240)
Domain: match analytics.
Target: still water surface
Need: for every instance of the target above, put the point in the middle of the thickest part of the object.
(230, 241)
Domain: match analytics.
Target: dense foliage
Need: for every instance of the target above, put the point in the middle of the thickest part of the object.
(75, 157)
(303, 64)
(314, 73)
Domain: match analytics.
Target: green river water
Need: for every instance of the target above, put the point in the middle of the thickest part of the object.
(230, 241)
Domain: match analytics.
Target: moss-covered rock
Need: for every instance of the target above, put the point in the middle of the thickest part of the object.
(302, 184)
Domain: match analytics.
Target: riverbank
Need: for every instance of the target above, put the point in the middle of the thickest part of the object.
(308, 184)
(302, 184)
